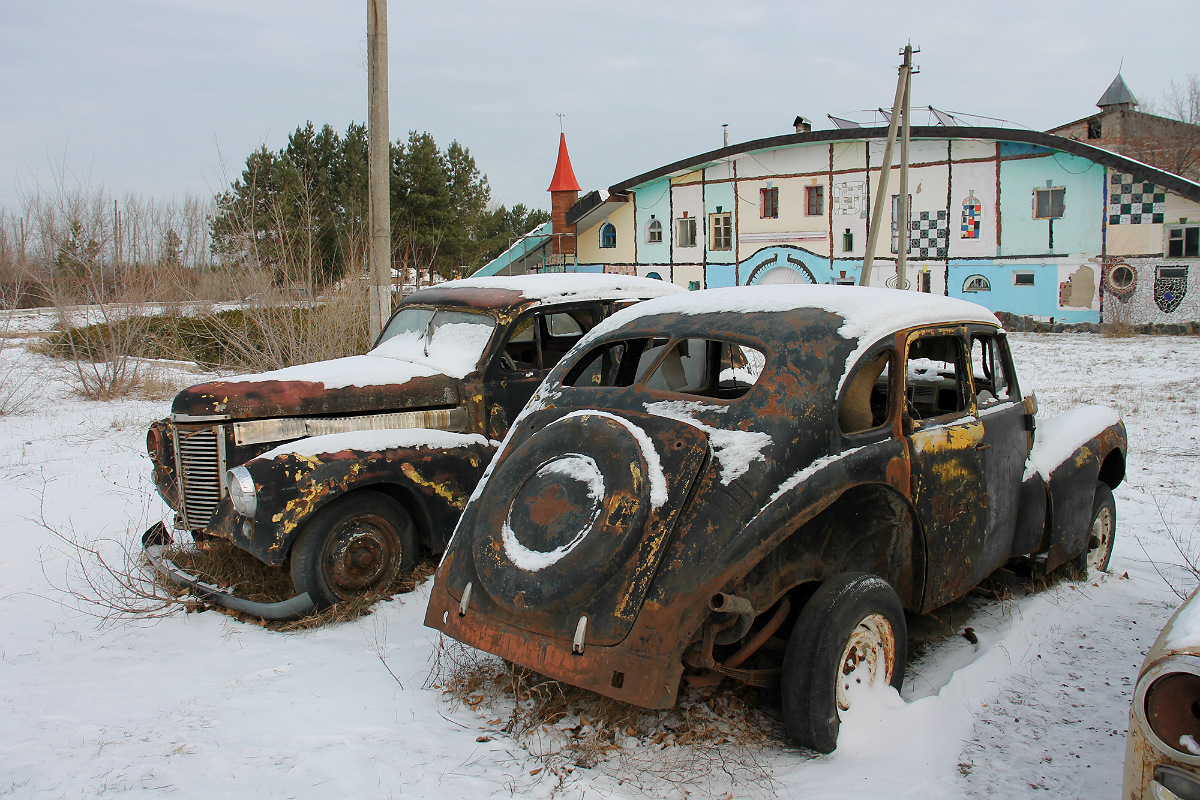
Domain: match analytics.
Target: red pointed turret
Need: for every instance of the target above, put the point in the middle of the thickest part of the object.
(564, 191)
(564, 176)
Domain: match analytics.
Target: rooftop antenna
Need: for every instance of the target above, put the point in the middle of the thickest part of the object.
(560, 122)
(725, 131)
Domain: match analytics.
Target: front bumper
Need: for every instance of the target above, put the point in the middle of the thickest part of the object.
(154, 542)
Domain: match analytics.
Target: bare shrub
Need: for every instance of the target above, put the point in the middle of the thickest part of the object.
(17, 389)
(712, 742)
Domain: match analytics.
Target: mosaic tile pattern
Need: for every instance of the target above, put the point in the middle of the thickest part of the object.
(1134, 202)
(930, 236)
(972, 211)
(1169, 292)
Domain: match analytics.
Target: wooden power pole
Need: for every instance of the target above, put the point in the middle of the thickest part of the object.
(379, 166)
(899, 108)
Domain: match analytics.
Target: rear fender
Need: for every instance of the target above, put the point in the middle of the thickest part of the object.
(430, 472)
(1069, 453)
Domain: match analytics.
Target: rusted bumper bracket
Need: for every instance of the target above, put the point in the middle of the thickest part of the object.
(293, 608)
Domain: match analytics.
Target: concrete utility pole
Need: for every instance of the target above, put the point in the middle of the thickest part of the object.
(379, 168)
(881, 194)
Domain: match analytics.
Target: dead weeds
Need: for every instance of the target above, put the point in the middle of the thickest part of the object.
(218, 562)
(713, 742)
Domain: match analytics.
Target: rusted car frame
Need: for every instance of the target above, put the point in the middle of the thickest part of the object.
(361, 462)
(900, 461)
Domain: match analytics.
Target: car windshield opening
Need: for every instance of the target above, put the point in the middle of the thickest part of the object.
(453, 338)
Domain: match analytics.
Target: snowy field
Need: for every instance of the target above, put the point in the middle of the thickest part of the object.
(203, 706)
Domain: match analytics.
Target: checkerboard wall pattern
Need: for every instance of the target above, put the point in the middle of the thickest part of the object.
(930, 235)
(1134, 202)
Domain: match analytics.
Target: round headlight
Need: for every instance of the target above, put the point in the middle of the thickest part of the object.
(154, 444)
(1168, 699)
(240, 484)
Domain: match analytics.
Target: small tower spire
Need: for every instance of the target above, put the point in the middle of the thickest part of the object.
(1117, 95)
(564, 191)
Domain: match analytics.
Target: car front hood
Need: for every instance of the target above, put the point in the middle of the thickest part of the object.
(355, 384)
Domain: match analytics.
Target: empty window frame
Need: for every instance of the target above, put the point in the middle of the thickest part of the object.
(695, 366)
(814, 201)
(1023, 279)
(1049, 203)
(720, 228)
(654, 231)
(685, 232)
(988, 372)
(608, 235)
(540, 340)
(769, 202)
(1095, 129)
(1183, 241)
(935, 372)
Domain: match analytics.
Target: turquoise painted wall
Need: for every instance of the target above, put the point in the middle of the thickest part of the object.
(720, 196)
(654, 199)
(718, 276)
(1077, 232)
(1039, 300)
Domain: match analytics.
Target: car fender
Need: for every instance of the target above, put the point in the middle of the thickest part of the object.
(1070, 453)
(434, 471)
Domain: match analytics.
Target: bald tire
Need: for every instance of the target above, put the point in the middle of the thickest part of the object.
(812, 665)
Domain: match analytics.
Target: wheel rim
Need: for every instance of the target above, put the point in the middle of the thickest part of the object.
(1100, 541)
(869, 657)
(361, 555)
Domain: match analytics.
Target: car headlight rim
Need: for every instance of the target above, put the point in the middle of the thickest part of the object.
(242, 494)
(1152, 678)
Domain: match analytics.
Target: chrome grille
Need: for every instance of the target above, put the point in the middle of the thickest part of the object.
(200, 456)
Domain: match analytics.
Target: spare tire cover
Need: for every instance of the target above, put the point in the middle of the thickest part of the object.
(563, 512)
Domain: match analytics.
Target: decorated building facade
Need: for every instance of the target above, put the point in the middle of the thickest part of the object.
(1019, 221)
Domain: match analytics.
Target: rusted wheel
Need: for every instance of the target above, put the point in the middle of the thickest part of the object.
(851, 632)
(360, 545)
(1098, 552)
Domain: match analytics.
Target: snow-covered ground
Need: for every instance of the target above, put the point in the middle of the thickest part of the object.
(203, 706)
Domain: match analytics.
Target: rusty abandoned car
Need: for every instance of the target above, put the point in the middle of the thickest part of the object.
(757, 483)
(344, 469)
(1162, 752)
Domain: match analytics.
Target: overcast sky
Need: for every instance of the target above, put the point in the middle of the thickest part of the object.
(166, 97)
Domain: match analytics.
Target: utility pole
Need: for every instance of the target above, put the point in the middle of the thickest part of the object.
(905, 131)
(379, 169)
(881, 195)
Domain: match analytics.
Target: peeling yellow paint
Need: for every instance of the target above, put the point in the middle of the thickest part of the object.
(948, 438)
(445, 492)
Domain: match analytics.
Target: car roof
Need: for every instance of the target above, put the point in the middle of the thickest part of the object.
(534, 290)
(868, 313)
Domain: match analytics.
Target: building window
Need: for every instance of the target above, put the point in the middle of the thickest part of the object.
(1095, 129)
(769, 202)
(608, 235)
(977, 283)
(1022, 279)
(1183, 241)
(814, 200)
(685, 232)
(720, 228)
(1048, 202)
(654, 231)
(654, 276)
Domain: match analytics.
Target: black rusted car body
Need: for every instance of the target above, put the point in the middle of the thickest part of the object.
(698, 468)
(414, 421)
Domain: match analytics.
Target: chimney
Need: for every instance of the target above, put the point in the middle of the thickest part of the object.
(802, 125)
(564, 191)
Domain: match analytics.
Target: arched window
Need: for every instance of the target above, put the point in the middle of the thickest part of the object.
(654, 275)
(654, 231)
(608, 235)
(977, 283)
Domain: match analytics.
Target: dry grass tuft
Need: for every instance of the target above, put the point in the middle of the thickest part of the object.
(714, 742)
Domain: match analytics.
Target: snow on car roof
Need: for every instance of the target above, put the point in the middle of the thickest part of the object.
(868, 313)
(557, 286)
